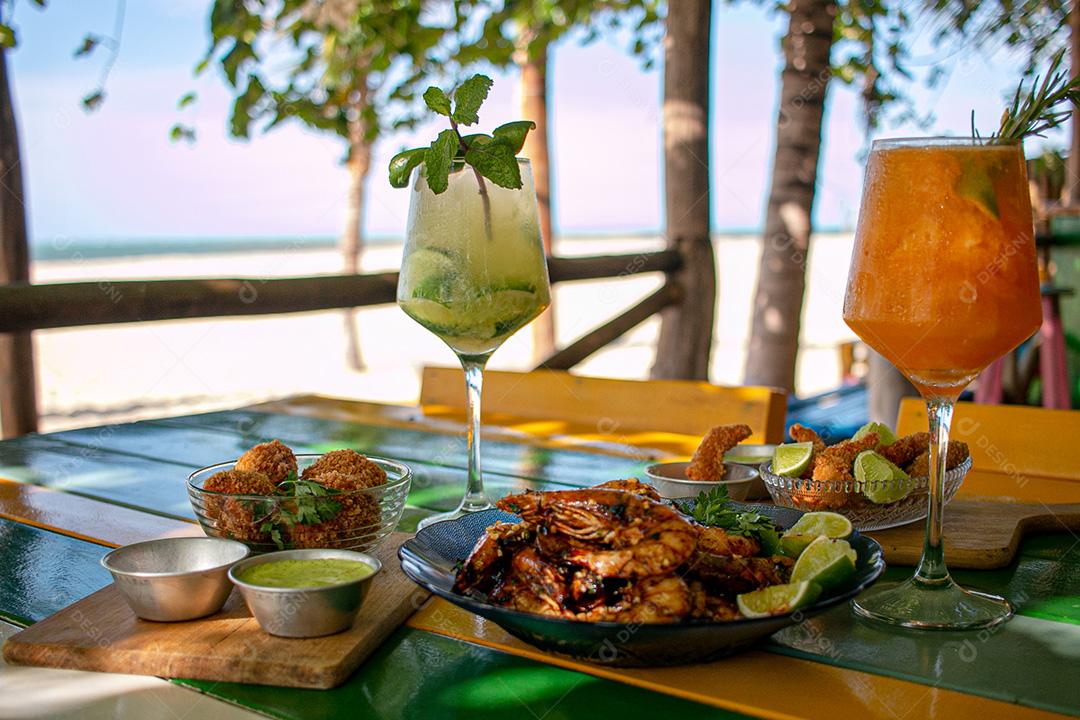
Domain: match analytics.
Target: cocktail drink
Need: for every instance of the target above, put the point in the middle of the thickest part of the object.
(473, 273)
(943, 281)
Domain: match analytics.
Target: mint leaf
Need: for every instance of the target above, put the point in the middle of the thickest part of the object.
(437, 100)
(402, 164)
(495, 159)
(469, 97)
(515, 133)
(437, 161)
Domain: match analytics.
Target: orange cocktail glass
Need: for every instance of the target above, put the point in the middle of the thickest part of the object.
(943, 281)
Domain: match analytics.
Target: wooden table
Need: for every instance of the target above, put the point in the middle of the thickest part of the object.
(71, 495)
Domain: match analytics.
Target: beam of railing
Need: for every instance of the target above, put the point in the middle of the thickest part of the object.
(597, 338)
(105, 302)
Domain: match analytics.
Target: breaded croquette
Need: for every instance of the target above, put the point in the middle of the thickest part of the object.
(834, 463)
(240, 482)
(239, 518)
(958, 452)
(708, 462)
(355, 521)
(905, 449)
(273, 458)
(346, 462)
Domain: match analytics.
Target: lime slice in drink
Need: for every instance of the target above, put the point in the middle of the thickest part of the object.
(825, 562)
(792, 459)
(884, 433)
(777, 599)
(975, 185)
(882, 482)
(811, 526)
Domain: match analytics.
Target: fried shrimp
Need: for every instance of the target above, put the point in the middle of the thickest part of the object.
(834, 462)
(906, 449)
(958, 452)
(707, 463)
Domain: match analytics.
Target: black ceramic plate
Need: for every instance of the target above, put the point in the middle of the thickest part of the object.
(430, 559)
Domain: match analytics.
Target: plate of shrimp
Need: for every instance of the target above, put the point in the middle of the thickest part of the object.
(614, 575)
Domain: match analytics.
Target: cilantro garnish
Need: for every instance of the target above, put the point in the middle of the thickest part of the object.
(714, 509)
(307, 503)
(491, 156)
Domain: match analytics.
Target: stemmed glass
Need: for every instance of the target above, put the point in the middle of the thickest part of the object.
(473, 273)
(943, 281)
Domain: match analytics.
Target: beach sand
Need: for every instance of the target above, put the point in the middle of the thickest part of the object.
(94, 375)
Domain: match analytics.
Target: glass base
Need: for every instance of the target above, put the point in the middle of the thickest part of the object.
(461, 511)
(942, 605)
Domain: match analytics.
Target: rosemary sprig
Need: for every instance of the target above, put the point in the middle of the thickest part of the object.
(1038, 110)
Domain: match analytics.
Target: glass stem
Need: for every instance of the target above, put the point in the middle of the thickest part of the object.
(474, 381)
(932, 569)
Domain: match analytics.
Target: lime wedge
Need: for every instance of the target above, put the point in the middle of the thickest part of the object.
(882, 482)
(884, 433)
(792, 459)
(777, 599)
(975, 185)
(811, 526)
(825, 562)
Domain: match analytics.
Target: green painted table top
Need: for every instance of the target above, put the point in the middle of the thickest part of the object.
(143, 465)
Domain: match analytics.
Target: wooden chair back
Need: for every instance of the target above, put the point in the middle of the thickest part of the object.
(616, 406)
(1018, 441)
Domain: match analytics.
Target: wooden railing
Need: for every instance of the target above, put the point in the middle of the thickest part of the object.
(25, 307)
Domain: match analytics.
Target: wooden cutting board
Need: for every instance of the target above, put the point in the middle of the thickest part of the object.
(979, 535)
(101, 633)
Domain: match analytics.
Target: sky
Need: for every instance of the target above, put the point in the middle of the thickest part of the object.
(114, 173)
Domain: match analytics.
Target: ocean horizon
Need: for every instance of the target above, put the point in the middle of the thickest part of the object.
(65, 248)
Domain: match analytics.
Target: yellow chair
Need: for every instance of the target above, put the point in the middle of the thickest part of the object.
(1017, 452)
(669, 415)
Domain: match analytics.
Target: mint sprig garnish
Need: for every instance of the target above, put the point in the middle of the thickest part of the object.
(491, 156)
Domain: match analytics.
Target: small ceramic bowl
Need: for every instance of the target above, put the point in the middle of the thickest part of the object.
(311, 611)
(750, 454)
(669, 479)
(175, 579)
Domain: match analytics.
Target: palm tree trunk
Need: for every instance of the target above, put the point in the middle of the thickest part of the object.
(18, 391)
(534, 106)
(774, 338)
(352, 240)
(682, 350)
(1072, 176)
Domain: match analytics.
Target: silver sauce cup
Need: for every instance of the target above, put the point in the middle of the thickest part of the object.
(310, 611)
(174, 579)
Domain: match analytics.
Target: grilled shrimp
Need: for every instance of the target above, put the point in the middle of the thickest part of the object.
(498, 542)
(651, 600)
(631, 485)
(645, 538)
(730, 575)
(717, 541)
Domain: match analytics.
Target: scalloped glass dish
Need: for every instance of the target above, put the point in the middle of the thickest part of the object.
(848, 498)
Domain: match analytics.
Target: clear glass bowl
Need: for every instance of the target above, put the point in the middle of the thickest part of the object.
(848, 499)
(363, 517)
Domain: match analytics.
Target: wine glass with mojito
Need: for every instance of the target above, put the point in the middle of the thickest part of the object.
(473, 270)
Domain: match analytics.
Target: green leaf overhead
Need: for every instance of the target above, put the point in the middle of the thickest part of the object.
(469, 97)
(437, 100)
(494, 158)
(515, 133)
(491, 156)
(402, 164)
(437, 161)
